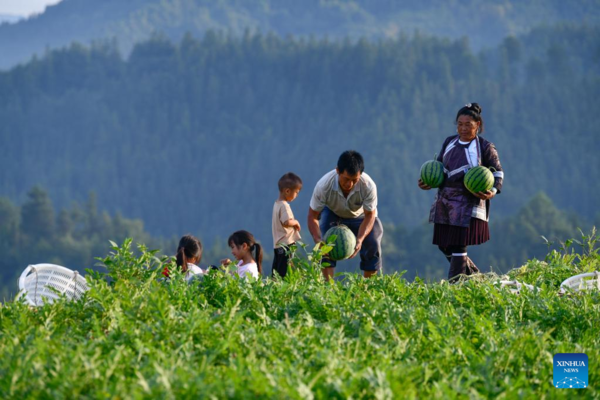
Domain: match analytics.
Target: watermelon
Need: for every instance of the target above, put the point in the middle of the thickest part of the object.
(344, 243)
(432, 173)
(479, 179)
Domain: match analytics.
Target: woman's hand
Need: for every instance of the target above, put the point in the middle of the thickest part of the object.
(424, 186)
(225, 261)
(488, 194)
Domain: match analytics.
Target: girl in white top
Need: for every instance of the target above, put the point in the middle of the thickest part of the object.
(242, 245)
(189, 253)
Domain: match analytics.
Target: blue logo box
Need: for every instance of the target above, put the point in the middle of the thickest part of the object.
(570, 371)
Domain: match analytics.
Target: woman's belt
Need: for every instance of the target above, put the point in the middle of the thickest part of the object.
(459, 184)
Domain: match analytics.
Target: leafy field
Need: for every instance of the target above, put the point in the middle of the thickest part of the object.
(134, 336)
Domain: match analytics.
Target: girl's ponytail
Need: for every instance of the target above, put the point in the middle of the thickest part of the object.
(258, 256)
(182, 259)
(189, 248)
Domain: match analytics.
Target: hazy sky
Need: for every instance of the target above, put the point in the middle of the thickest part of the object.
(24, 7)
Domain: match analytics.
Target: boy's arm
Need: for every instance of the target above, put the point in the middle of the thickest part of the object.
(287, 218)
(292, 223)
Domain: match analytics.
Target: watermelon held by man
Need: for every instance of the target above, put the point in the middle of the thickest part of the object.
(432, 173)
(344, 243)
(479, 179)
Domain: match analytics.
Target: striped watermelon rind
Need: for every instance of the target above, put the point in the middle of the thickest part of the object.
(343, 244)
(432, 173)
(479, 179)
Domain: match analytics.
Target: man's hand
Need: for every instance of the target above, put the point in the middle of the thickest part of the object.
(356, 248)
(364, 230)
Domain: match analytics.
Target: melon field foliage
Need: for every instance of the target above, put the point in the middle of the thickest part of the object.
(136, 336)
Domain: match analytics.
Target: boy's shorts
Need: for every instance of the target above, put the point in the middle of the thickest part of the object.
(280, 261)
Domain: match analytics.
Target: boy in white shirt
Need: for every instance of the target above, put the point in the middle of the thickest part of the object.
(286, 229)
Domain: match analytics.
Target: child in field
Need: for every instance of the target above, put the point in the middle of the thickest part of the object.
(286, 229)
(189, 254)
(242, 244)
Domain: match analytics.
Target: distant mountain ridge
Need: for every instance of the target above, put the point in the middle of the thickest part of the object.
(485, 23)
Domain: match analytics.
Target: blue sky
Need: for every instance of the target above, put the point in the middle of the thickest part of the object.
(24, 7)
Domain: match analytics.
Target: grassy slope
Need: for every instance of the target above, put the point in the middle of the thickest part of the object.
(379, 338)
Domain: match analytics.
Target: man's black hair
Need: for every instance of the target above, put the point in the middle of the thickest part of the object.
(351, 162)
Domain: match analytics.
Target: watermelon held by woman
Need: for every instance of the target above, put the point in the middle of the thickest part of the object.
(479, 179)
(344, 243)
(432, 173)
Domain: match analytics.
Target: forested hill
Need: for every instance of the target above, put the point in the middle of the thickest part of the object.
(484, 22)
(193, 136)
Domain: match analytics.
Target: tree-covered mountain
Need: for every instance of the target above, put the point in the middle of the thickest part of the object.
(192, 137)
(485, 22)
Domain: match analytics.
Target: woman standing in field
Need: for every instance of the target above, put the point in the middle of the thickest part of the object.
(461, 217)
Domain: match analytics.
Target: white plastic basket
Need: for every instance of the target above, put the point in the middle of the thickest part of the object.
(515, 286)
(587, 281)
(48, 282)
